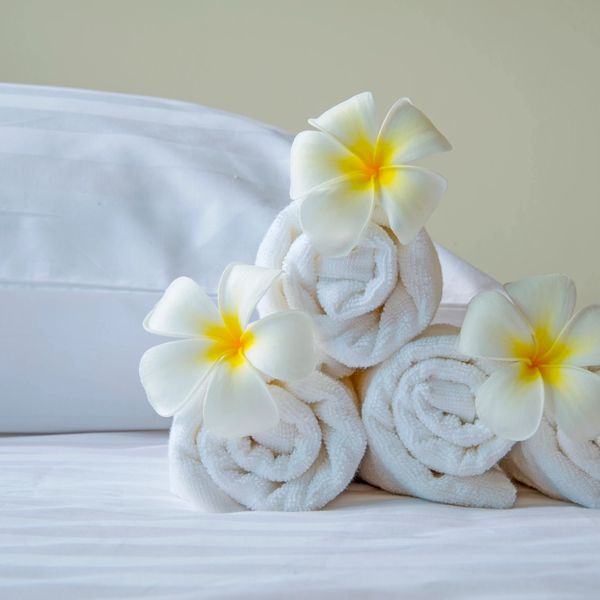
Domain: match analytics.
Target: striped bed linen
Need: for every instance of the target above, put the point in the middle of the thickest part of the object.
(90, 516)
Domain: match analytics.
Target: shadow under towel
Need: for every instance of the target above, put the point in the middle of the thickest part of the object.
(424, 438)
(366, 305)
(303, 463)
(557, 465)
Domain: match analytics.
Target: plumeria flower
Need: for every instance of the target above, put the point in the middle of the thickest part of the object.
(224, 359)
(347, 170)
(544, 350)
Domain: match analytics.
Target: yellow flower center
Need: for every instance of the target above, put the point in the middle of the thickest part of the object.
(370, 164)
(541, 357)
(229, 341)
(371, 169)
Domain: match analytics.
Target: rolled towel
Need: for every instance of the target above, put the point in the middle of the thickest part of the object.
(424, 438)
(366, 305)
(557, 465)
(302, 464)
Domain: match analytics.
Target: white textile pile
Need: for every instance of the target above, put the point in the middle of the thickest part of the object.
(424, 438)
(306, 461)
(557, 465)
(366, 305)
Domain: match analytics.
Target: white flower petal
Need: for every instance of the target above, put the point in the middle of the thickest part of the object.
(575, 397)
(409, 195)
(579, 342)
(183, 310)
(494, 328)
(511, 402)
(352, 122)
(547, 301)
(238, 402)
(240, 289)
(173, 372)
(335, 217)
(407, 134)
(283, 345)
(317, 158)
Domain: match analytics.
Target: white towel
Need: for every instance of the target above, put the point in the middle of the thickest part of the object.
(557, 465)
(366, 305)
(302, 464)
(424, 438)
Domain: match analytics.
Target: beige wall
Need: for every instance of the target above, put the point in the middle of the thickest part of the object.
(515, 85)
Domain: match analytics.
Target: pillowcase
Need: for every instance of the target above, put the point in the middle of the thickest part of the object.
(104, 200)
(462, 281)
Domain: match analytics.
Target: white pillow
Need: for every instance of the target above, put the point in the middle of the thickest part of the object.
(104, 200)
(462, 281)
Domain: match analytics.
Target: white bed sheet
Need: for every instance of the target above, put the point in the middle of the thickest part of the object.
(90, 516)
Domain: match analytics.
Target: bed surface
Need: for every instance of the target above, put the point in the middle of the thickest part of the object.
(90, 516)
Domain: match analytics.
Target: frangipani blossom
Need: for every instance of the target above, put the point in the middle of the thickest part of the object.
(347, 170)
(223, 357)
(544, 351)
